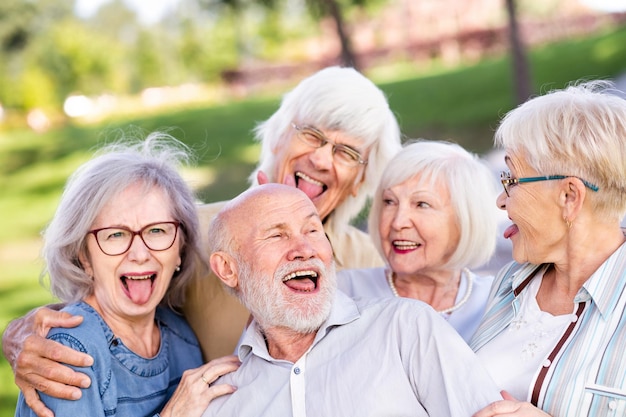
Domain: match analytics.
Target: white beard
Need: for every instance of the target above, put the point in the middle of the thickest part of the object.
(272, 306)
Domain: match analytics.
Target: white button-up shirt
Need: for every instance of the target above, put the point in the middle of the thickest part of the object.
(372, 357)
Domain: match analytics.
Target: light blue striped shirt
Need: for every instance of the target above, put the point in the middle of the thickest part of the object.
(585, 374)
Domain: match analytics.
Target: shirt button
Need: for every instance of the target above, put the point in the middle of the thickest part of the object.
(546, 363)
(612, 405)
(574, 318)
(296, 371)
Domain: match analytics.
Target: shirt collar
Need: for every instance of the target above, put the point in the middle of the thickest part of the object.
(604, 286)
(343, 311)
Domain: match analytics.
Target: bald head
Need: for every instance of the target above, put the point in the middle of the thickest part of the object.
(270, 249)
(244, 211)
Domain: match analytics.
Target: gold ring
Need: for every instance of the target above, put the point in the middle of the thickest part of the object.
(205, 381)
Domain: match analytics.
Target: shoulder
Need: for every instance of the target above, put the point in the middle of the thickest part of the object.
(206, 212)
(92, 336)
(481, 284)
(389, 310)
(364, 282)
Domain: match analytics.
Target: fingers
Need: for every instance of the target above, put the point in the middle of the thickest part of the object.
(289, 180)
(34, 402)
(507, 396)
(44, 319)
(196, 391)
(37, 348)
(261, 178)
(510, 408)
(34, 370)
(50, 377)
(218, 367)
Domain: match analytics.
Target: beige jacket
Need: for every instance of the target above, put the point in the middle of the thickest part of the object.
(218, 318)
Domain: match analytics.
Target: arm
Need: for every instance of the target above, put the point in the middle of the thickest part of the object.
(509, 406)
(34, 359)
(195, 392)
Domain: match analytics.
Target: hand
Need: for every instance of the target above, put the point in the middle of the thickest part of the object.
(262, 178)
(195, 392)
(510, 407)
(34, 358)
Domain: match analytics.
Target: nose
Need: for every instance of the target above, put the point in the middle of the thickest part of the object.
(302, 249)
(400, 218)
(322, 157)
(138, 250)
(501, 200)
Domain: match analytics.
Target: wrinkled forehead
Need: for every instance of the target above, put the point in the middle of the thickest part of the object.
(278, 204)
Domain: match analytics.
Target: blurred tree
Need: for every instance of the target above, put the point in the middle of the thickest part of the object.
(333, 9)
(318, 9)
(207, 46)
(521, 70)
(22, 24)
(16, 23)
(79, 59)
(146, 62)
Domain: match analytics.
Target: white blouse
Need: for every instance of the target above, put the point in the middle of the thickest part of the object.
(527, 341)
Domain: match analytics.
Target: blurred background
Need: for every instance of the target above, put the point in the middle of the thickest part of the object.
(77, 74)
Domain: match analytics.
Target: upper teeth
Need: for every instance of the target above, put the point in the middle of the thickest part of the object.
(136, 277)
(405, 244)
(309, 179)
(300, 274)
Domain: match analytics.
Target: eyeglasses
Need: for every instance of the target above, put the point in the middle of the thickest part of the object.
(343, 154)
(507, 181)
(115, 241)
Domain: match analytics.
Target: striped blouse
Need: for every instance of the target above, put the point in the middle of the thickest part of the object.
(585, 373)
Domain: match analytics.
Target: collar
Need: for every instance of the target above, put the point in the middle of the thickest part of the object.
(343, 311)
(604, 286)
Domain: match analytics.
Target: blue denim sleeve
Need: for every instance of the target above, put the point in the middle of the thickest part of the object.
(90, 404)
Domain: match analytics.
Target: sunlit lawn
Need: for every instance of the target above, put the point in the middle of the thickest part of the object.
(462, 105)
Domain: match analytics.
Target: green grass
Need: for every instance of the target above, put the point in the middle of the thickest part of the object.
(462, 104)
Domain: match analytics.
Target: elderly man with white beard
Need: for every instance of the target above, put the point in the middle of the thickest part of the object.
(310, 349)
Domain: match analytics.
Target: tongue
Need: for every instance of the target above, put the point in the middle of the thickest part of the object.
(510, 231)
(311, 190)
(139, 290)
(303, 284)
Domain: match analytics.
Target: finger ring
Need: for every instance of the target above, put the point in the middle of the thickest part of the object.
(205, 380)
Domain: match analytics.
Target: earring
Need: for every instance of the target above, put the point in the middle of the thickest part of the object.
(177, 268)
(568, 222)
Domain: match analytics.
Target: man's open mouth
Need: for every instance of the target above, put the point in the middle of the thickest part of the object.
(303, 281)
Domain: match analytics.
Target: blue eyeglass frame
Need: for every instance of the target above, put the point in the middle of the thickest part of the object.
(506, 180)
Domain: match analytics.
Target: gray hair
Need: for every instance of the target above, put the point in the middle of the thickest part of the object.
(152, 162)
(472, 189)
(578, 131)
(336, 99)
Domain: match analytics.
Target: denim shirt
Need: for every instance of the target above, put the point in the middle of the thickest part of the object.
(122, 382)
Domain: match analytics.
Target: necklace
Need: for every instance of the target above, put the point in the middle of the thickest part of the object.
(470, 284)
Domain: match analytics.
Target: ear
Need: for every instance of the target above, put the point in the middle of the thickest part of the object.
(358, 182)
(225, 267)
(86, 264)
(572, 197)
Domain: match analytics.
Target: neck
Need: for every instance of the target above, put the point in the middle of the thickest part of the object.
(439, 289)
(285, 344)
(142, 336)
(594, 243)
